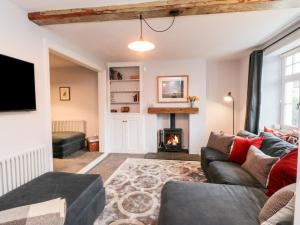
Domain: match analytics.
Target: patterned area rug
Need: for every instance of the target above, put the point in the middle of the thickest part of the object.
(133, 191)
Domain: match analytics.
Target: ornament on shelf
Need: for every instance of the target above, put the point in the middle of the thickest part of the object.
(192, 100)
(115, 75)
(136, 97)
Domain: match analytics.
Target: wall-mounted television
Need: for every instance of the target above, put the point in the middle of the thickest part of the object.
(17, 87)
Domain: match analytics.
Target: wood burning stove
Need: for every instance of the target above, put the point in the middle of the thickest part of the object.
(170, 139)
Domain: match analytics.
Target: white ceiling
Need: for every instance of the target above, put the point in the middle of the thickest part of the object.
(42, 5)
(205, 36)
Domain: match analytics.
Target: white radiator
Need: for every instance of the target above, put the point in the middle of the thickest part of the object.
(69, 125)
(20, 168)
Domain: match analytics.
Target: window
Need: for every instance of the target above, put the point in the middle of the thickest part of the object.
(291, 89)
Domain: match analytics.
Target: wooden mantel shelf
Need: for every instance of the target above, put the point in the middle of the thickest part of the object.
(168, 110)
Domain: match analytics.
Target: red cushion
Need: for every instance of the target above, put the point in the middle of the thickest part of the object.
(283, 173)
(268, 130)
(241, 146)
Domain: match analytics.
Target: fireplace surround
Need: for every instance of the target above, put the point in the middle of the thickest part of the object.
(172, 111)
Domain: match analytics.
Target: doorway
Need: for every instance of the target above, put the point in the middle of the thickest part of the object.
(74, 114)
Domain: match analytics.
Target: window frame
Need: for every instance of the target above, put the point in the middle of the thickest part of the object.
(285, 79)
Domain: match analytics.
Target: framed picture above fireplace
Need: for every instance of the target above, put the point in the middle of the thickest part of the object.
(172, 89)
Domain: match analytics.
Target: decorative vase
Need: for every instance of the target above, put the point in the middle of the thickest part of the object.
(192, 104)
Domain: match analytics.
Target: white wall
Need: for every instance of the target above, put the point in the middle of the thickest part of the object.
(271, 92)
(196, 69)
(22, 39)
(208, 80)
(222, 77)
(84, 96)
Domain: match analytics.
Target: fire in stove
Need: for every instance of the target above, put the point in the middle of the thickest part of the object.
(173, 139)
(170, 139)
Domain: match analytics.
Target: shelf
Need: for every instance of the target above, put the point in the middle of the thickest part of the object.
(124, 103)
(127, 80)
(168, 110)
(124, 91)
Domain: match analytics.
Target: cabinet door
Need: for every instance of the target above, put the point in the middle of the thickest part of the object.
(117, 135)
(133, 134)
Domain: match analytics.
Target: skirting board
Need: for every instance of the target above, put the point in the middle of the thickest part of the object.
(91, 165)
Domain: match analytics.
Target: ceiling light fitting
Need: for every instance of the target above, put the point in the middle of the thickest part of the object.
(141, 45)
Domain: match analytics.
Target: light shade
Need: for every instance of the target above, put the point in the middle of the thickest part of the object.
(141, 45)
(228, 98)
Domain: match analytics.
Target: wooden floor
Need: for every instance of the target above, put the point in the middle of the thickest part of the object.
(75, 162)
(107, 167)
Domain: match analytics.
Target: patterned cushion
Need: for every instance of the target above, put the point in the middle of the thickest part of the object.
(279, 207)
(291, 136)
(259, 164)
(50, 212)
(220, 141)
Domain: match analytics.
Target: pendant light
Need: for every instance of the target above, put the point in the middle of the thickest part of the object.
(141, 45)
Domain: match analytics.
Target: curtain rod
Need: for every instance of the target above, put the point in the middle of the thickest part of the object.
(280, 39)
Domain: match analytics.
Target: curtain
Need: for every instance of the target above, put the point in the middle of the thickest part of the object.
(254, 92)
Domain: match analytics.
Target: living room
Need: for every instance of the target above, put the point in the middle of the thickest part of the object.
(206, 51)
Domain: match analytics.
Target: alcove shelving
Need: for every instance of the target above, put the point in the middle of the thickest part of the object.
(124, 86)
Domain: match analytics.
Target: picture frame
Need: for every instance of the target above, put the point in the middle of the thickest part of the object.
(65, 93)
(172, 89)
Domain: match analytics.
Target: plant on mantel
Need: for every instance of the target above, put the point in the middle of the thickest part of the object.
(193, 99)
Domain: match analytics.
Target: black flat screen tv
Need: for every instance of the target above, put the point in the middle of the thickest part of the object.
(17, 87)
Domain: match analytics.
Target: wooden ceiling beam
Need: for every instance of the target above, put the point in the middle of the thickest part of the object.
(156, 9)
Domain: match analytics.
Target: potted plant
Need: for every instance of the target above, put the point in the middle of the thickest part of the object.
(192, 100)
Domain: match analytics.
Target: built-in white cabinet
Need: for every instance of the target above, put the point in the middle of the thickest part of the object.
(124, 101)
(126, 134)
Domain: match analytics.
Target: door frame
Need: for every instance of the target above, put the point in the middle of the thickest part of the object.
(51, 47)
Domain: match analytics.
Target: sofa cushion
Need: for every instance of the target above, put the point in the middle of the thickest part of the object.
(220, 141)
(78, 190)
(230, 173)
(274, 146)
(244, 133)
(60, 138)
(283, 173)
(279, 207)
(209, 155)
(240, 147)
(259, 164)
(185, 203)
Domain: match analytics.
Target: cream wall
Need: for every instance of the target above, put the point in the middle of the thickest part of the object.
(196, 69)
(243, 71)
(222, 77)
(24, 40)
(84, 96)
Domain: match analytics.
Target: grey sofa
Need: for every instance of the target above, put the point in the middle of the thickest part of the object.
(84, 194)
(233, 196)
(219, 170)
(185, 203)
